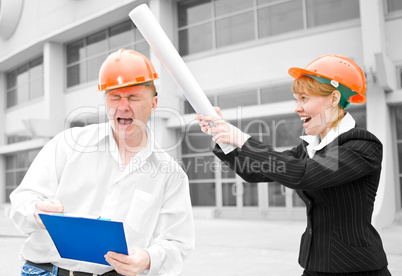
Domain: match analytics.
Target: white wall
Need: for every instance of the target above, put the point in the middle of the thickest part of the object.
(82, 99)
(15, 116)
(42, 18)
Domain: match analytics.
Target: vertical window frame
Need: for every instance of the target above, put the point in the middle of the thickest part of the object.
(398, 158)
(399, 76)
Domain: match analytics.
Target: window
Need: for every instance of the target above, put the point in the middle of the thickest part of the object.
(276, 195)
(280, 18)
(17, 138)
(286, 131)
(399, 76)
(85, 56)
(199, 164)
(398, 122)
(393, 5)
(245, 98)
(322, 12)
(202, 194)
(359, 114)
(278, 93)
(17, 165)
(210, 24)
(250, 194)
(256, 96)
(203, 169)
(189, 109)
(25, 83)
(234, 29)
(85, 119)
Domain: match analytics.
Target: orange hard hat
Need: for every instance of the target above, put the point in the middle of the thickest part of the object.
(125, 68)
(340, 71)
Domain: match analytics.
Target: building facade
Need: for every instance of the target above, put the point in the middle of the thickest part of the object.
(238, 50)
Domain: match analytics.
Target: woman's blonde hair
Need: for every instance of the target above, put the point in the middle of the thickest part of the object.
(314, 88)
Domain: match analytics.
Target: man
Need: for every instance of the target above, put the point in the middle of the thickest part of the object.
(104, 170)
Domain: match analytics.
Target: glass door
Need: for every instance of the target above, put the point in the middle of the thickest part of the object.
(239, 199)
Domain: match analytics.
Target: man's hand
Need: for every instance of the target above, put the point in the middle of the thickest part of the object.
(47, 207)
(136, 262)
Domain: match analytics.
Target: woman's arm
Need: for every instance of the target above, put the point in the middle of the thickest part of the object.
(353, 155)
(252, 172)
(348, 158)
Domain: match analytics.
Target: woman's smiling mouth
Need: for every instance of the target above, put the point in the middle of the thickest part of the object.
(306, 121)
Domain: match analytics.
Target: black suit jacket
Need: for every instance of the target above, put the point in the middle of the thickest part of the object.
(338, 185)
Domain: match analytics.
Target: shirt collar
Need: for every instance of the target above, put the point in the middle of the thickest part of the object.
(106, 131)
(314, 144)
(105, 137)
(106, 140)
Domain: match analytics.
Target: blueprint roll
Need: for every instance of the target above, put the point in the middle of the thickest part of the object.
(174, 64)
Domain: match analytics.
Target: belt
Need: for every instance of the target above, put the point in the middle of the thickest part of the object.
(64, 272)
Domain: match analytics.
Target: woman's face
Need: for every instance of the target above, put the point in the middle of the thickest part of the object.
(315, 111)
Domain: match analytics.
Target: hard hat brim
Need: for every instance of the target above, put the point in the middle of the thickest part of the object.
(296, 73)
(144, 83)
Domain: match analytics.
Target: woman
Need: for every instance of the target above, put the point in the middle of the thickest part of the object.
(335, 170)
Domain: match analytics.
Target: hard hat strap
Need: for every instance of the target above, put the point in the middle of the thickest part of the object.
(346, 92)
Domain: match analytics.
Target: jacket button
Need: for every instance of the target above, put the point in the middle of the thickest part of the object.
(310, 231)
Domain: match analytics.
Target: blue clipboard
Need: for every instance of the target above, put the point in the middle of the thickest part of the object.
(85, 239)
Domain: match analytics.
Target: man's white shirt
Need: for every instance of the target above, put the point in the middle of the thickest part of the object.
(82, 168)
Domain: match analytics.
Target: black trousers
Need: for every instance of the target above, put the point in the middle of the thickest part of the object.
(382, 272)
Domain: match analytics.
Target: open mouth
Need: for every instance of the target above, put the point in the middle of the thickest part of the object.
(306, 120)
(124, 121)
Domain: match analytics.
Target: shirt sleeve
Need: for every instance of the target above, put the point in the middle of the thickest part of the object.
(174, 235)
(40, 179)
(247, 136)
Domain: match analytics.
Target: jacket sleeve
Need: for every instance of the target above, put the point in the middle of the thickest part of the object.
(339, 164)
(248, 173)
(174, 235)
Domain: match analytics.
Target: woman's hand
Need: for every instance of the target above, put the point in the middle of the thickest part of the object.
(204, 124)
(136, 262)
(222, 131)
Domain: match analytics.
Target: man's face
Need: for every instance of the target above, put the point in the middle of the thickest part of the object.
(129, 108)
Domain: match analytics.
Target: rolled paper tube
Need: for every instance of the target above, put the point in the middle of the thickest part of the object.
(174, 64)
